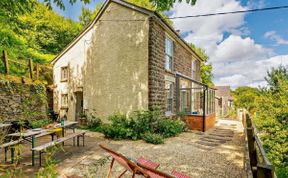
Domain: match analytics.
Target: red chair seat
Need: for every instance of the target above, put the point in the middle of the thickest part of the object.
(179, 175)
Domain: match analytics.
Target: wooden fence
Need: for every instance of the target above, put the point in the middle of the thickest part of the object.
(259, 163)
(34, 69)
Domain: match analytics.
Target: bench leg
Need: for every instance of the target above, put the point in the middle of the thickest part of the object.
(52, 137)
(74, 137)
(83, 139)
(78, 138)
(40, 158)
(12, 155)
(5, 156)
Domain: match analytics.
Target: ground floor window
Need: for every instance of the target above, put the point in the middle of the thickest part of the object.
(64, 100)
(169, 97)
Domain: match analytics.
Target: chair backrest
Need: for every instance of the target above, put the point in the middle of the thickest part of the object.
(125, 162)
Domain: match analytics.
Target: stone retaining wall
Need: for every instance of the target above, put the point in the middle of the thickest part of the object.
(22, 101)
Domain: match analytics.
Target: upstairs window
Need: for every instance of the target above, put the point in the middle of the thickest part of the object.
(64, 100)
(168, 54)
(194, 69)
(64, 74)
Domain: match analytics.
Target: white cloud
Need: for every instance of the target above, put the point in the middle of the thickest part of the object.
(272, 35)
(236, 60)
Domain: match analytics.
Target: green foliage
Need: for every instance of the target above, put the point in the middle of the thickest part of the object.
(205, 67)
(271, 120)
(34, 32)
(163, 5)
(170, 127)
(153, 138)
(93, 121)
(49, 167)
(39, 123)
(246, 97)
(142, 122)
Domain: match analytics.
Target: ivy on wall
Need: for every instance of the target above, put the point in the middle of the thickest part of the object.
(22, 101)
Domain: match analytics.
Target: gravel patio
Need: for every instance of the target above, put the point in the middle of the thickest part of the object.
(217, 153)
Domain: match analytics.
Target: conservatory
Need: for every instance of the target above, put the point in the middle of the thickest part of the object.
(195, 101)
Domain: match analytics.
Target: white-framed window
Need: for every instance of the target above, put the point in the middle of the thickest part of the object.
(169, 97)
(64, 100)
(64, 74)
(194, 69)
(168, 53)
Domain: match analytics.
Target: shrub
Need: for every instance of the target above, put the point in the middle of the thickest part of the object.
(170, 127)
(93, 121)
(40, 123)
(152, 138)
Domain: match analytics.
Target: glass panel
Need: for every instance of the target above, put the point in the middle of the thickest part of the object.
(169, 96)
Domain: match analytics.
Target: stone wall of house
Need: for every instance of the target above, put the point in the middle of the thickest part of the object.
(22, 101)
(157, 73)
(156, 63)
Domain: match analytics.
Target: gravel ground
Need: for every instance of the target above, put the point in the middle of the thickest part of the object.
(216, 153)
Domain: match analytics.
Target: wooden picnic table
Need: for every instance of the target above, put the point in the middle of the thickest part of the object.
(2, 126)
(67, 124)
(31, 133)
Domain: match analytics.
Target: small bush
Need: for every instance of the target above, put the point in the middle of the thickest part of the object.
(152, 138)
(93, 121)
(40, 123)
(170, 127)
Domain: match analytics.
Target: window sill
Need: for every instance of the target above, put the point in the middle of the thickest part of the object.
(64, 107)
(64, 80)
(169, 114)
(170, 72)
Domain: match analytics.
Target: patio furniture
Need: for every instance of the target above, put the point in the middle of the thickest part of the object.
(42, 148)
(10, 145)
(2, 126)
(153, 173)
(67, 124)
(129, 165)
(142, 167)
(30, 136)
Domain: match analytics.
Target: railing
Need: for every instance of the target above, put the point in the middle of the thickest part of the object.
(35, 72)
(258, 163)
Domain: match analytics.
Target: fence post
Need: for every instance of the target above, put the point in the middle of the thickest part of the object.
(31, 68)
(265, 171)
(37, 71)
(251, 145)
(6, 63)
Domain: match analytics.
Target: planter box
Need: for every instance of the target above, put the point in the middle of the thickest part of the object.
(195, 122)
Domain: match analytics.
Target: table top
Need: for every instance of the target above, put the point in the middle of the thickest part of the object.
(4, 125)
(28, 133)
(66, 124)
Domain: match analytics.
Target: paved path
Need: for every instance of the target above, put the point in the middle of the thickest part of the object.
(216, 153)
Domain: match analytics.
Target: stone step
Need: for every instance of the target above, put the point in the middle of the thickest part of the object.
(222, 135)
(213, 140)
(205, 143)
(203, 147)
(218, 138)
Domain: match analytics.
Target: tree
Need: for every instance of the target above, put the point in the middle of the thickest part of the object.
(86, 17)
(159, 5)
(272, 119)
(275, 76)
(205, 67)
(246, 97)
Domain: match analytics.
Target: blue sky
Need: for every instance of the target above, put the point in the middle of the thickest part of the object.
(261, 38)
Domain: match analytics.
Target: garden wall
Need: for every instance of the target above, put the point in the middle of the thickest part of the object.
(22, 101)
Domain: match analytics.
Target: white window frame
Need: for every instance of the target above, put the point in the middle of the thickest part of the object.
(169, 54)
(63, 77)
(64, 104)
(169, 98)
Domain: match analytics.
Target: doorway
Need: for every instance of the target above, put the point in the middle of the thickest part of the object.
(79, 105)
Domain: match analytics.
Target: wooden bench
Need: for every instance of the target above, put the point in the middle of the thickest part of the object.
(10, 144)
(42, 148)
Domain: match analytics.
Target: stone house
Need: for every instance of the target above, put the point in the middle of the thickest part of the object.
(224, 100)
(126, 59)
